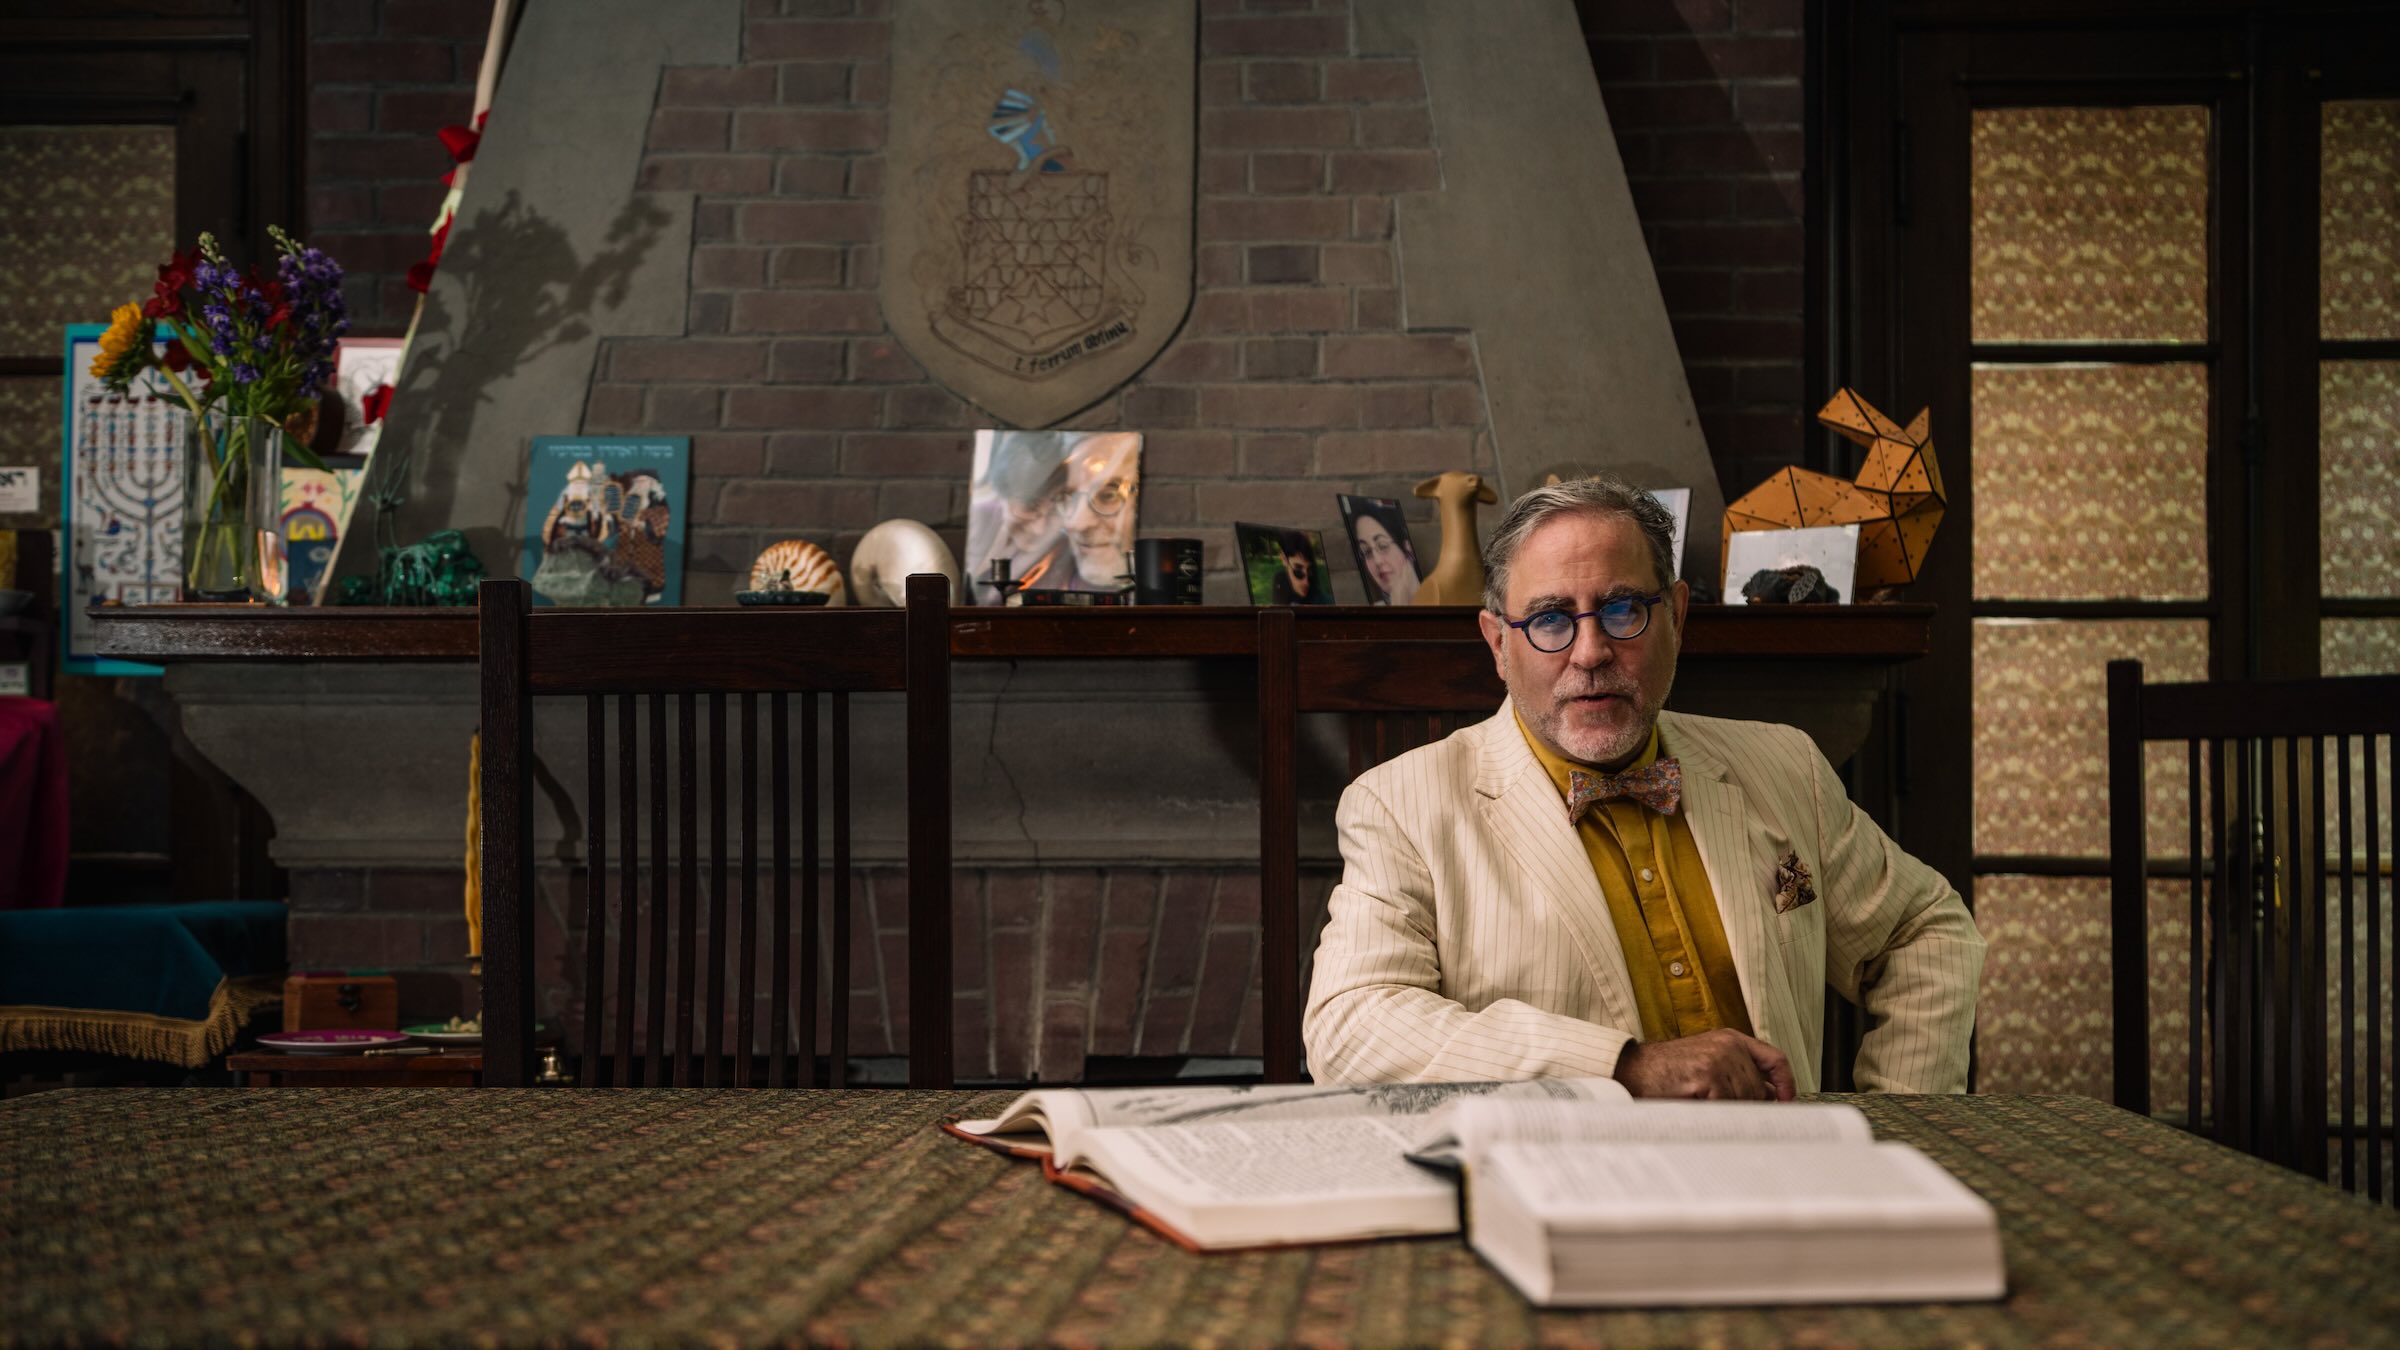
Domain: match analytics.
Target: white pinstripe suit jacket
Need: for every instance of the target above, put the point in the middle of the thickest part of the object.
(1469, 938)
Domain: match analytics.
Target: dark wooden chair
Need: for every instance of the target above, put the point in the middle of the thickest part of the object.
(672, 658)
(31, 635)
(1402, 680)
(2287, 993)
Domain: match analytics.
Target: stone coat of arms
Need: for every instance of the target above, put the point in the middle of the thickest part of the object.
(1038, 213)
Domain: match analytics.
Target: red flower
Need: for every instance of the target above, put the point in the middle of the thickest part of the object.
(176, 358)
(176, 272)
(377, 402)
(282, 313)
(173, 276)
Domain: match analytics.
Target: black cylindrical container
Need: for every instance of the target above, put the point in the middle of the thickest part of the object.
(1166, 571)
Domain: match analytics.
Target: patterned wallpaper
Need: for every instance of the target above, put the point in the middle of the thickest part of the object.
(2041, 730)
(29, 434)
(2359, 229)
(86, 216)
(2358, 442)
(2090, 224)
(2091, 482)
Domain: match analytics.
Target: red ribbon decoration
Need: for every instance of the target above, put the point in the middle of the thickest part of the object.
(377, 402)
(420, 275)
(461, 142)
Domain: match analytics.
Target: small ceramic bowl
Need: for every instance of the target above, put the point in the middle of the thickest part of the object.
(780, 597)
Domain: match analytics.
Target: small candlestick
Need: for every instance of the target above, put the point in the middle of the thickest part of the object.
(999, 578)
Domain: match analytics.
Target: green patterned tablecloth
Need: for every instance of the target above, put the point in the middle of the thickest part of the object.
(399, 1216)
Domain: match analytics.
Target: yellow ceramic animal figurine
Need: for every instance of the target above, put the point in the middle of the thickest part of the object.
(1457, 577)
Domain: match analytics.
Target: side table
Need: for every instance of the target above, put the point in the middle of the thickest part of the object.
(441, 1068)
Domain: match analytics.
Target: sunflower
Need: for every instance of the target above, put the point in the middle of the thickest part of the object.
(127, 333)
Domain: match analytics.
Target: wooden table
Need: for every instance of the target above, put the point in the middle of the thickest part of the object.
(411, 1216)
(439, 1068)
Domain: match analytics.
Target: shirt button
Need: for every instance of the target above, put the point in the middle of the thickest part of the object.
(1648, 875)
(1675, 969)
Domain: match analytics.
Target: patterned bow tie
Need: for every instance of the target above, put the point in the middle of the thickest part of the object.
(1659, 787)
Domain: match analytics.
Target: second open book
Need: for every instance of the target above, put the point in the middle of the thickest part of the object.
(1572, 1189)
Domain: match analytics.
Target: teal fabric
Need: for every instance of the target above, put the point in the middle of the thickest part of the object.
(161, 959)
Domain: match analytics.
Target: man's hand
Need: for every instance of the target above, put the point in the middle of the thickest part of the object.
(1722, 1064)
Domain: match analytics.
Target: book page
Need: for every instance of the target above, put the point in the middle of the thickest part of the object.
(1284, 1159)
(1466, 1129)
(1578, 1186)
(1056, 1117)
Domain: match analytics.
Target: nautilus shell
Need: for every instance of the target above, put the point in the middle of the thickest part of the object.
(798, 565)
(889, 553)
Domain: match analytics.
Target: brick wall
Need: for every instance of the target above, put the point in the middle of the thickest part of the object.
(1705, 99)
(1051, 966)
(1300, 147)
(383, 77)
(1291, 380)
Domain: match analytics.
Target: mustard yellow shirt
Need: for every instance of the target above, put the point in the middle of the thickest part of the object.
(1664, 910)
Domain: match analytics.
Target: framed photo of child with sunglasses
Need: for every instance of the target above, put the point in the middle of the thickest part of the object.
(1284, 566)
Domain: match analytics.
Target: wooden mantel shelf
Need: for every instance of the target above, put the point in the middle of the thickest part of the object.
(1871, 633)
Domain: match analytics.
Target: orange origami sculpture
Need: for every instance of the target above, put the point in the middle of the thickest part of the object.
(1896, 500)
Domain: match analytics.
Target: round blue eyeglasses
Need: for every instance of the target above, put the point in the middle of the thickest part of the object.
(1553, 630)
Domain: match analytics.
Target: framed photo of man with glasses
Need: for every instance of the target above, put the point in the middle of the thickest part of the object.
(1057, 506)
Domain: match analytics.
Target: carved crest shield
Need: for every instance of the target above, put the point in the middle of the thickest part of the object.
(1038, 195)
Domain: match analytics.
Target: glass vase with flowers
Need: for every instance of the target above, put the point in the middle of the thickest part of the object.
(247, 356)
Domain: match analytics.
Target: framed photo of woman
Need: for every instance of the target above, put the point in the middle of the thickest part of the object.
(1387, 561)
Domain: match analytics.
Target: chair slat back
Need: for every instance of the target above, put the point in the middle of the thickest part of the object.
(2288, 1004)
(1398, 694)
(680, 964)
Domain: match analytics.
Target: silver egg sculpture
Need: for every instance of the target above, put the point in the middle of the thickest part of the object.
(887, 555)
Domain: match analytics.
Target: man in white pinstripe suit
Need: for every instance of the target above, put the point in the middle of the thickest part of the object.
(1586, 885)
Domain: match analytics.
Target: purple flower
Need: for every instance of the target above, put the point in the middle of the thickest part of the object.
(245, 373)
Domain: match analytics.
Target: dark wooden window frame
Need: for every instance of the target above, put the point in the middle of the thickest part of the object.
(1893, 81)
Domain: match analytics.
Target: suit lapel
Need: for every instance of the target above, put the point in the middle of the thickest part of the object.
(1522, 807)
(1733, 852)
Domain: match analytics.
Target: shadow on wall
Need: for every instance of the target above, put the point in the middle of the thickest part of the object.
(526, 295)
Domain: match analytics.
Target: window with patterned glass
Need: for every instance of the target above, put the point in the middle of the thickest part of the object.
(2090, 224)
(2091, 482)
(2358, 237)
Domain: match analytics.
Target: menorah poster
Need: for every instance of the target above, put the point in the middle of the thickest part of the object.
(120, 501)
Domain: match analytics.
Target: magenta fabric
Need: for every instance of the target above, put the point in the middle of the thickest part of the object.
(33, 805)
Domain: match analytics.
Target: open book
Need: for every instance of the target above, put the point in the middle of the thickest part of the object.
(1712, 1203)
(1221, 1167)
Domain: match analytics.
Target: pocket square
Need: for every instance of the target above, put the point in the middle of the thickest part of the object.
(1792, 888)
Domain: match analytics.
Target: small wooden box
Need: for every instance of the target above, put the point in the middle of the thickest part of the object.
(324, 1000)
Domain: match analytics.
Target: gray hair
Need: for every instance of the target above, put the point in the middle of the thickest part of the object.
(1601, 494)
